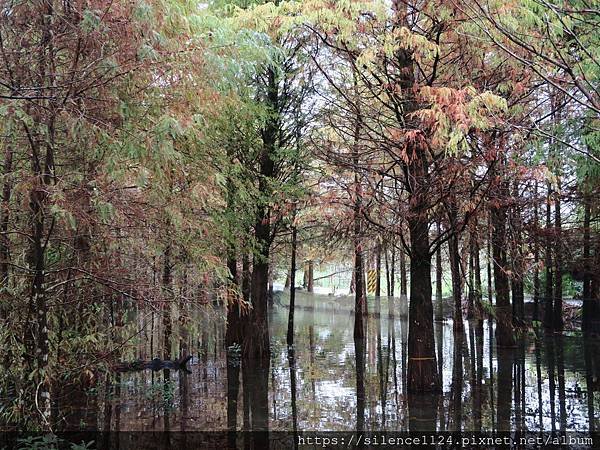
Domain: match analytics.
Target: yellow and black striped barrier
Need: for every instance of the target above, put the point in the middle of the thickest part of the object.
(371, 281)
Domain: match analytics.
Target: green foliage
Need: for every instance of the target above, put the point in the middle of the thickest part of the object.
(51, 442)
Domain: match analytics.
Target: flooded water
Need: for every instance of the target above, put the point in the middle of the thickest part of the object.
(548, 383)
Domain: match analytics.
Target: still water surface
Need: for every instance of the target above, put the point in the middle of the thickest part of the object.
(549, 382)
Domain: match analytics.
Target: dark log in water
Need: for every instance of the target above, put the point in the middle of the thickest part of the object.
(156, 364)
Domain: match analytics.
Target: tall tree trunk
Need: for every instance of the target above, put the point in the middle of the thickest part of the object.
(359, 352)
(548, 301)
(232, 337)
(439, 310)
(453, 247)
(387, 271)
(403, 277)
(293, 392)
(290, 330)
(262, 227)
(456, 388)
(505, 363)
(504, 329)
(518, 297)
(592, 374)
(490, 259)
(310, 285)
(378, 271)
(5, 217)
(471, 294)
(167, 279)
(258, 321)
(392, 271)
(595, 289)
(558, 321)
(591, 304)
(536, 256)
(587, 280)
(422, 374)
(232, 333)
(556, 101)
(305, 277)
(359, 280)
(422, 367)
(38, 296)
(359, 288)
(477, 268)
(233, 393)
(38, 198)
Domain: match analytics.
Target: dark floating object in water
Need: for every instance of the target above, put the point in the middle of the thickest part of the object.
(156, 364)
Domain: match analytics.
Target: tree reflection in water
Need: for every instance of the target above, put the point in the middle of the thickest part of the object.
(330, 381)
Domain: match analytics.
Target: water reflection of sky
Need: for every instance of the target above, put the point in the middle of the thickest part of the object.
(326, 378)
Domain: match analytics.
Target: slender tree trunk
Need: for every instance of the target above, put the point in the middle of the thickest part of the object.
(359, 352)
(392, 272)
(471, 295)
(592, 373)
(587, 281)
(378, 271)
(293, 389)
(305, 277)
(387, 271)
(504, 329)
(5, 218)
(595, 289)
(290, 330)
(518, 297)
(232, 333)
(477, 268)
(456, 389)
(391, 279)
(536, 256)
(591, 305)
(439, 310)
(453, 247)
(39, 240)
(360, 288)
(556, 101)
(310, 285)
(233, 386)
(490, 259)
(38, 297)
(167, 297)
(548, 301)
(558, 321)
(359, 298)
(403, 277)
